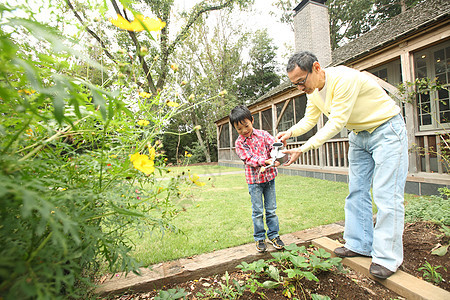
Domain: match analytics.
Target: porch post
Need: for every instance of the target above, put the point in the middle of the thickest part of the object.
(410, 112)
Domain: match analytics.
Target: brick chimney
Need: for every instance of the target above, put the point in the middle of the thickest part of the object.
(312, 29)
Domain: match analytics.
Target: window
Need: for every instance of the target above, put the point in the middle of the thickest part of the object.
(300, 108)
(342, 134)
(234, 135)
(224, 138)
(256, 123)
(266, 117)
(285, 120)
(390, 72)
(433, 108)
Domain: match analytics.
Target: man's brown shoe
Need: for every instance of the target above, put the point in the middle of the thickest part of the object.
(379, 271)
(344, 252)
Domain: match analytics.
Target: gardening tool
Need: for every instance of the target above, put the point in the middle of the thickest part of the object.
(275, 155)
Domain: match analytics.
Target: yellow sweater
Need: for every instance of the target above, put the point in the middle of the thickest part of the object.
(353, 100)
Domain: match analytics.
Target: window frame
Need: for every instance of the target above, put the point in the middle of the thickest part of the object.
(434, 96)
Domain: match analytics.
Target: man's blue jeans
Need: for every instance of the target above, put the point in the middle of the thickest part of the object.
(379, 159)
(259, 205)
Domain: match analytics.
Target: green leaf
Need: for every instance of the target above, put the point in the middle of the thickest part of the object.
(256, 266)
(273, 272)
(310, 276)
(322, 253)
(441, 251)
(127, 212)
(280, 256)
(299, 261)
(58, 107)
(270, 284)
(294, 248)
(319, 297)
(99, 101)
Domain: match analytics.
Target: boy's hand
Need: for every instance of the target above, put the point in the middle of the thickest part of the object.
(268, 162)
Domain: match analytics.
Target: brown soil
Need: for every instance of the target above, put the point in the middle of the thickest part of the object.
(419, 240)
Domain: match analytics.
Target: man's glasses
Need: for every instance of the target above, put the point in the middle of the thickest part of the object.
(300, 82)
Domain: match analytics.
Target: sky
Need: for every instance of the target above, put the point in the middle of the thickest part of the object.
(259, 18)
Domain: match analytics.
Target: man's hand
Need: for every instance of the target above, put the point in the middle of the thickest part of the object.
(283, 136)
(294, 154)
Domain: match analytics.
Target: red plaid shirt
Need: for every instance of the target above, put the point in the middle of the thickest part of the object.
(254, 151)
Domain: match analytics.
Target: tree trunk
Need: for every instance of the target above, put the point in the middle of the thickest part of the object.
(200, 139)
(202, 143)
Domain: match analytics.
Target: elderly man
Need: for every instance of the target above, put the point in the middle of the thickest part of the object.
(378, 154)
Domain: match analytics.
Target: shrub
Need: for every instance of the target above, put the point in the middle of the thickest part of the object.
(429, 208)
(77, 170)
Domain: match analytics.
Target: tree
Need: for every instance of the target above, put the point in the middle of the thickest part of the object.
(262, 76)
(209, 63)
(166, 47)
(387, 9)
(349, 19)
(77, 168)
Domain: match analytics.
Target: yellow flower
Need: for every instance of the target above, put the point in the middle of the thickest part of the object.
(192, 97)
(144, 50)
(172, 104)
(28, 92)
(195, 179)
(145, 94)
(143, 122)
(135, 156)
(138, 23)
(223, 93)
(174, 67)
(142, 163)
(151, 152)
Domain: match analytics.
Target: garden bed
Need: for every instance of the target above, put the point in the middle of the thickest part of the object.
(420, 239)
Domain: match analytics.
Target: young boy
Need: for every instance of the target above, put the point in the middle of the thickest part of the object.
(253, 146)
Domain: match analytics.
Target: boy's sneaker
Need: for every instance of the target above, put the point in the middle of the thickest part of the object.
(277, 243)
(261, 246)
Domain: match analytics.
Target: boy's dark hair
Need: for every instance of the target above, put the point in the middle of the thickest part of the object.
(239, 114)
(303, 59)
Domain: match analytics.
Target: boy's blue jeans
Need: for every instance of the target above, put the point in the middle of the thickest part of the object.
(379, 159)
(259, 205)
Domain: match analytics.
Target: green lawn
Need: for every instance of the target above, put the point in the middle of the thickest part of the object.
(219, 215)
(203, 169)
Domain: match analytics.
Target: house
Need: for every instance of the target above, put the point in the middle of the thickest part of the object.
(414, 44)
